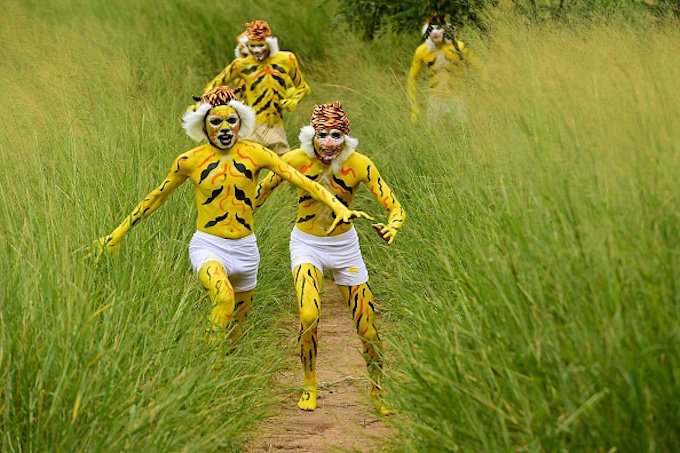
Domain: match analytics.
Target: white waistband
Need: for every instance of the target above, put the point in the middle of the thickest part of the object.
(349, 235)
(247, 240)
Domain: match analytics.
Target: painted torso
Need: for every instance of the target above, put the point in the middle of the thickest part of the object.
(225, 184)
(265, 83)
(314, 217)
(444, 64)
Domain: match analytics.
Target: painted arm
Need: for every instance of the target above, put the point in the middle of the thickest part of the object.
(316, 190)
(388, 200)
(299, 90)
(412, 85)
(266, 187)
(146, 207)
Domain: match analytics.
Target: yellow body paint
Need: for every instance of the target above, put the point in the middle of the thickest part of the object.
(446, 68)
(269, 86)
(225, 174)
(313, 218)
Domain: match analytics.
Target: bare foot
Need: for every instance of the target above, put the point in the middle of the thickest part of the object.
(379, 403)
(308, 399)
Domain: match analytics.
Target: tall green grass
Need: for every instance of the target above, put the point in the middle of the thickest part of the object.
(534, 285)
(108, 355)
(533, 295)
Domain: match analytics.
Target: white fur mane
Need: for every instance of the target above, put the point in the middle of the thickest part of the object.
(238, 54)
(193, 122)
(273, 44)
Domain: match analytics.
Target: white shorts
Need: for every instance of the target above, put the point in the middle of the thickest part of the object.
(240, 257)
(341, 254)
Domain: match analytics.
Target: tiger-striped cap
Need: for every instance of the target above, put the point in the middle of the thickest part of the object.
(330, 116)
(219, 96)
(258, 30)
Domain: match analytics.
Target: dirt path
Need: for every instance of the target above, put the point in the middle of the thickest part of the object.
(345, 418)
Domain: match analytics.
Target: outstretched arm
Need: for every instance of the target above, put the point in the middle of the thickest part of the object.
(300, 88)
(148, 205)
(266, 187)
(316, 190)
(412, 86)
(385, 197)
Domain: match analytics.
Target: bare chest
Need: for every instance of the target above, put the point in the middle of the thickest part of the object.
(225, 181)
(265, 75)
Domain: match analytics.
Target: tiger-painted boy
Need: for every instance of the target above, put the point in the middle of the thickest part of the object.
(271, 81)
(223, 251)
(327, 155)
(447, 60)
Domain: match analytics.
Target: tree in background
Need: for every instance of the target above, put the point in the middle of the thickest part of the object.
(371, 17)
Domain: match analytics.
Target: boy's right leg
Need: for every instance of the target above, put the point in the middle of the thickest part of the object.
(214, 279)
(307, 280)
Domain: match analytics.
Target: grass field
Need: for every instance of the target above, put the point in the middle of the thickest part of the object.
(531, 301)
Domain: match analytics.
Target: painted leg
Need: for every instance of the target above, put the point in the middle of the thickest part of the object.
(243, 302)
(362, 308)
(307, 280)
(214, 279)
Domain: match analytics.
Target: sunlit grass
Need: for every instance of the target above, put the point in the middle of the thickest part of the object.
(530, 302)
(533, 294)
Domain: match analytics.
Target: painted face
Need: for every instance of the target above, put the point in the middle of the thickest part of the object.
(258, 49)
(437, 34)
(222, 125)
(328, 144)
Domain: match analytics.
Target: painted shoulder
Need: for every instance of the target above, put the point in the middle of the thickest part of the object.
(251, 146)
(197, 153)
(237, 63)
(359, 158)
(360, 162)
(284, 57)
(187, 161)
(297, 158)
(422, 51)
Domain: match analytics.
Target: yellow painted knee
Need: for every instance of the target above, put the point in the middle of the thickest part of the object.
(214, 278)
(309, 317)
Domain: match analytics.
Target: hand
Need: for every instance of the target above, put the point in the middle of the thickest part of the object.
(386, 232)
(289, 104)
(346, 216)
(104, 244)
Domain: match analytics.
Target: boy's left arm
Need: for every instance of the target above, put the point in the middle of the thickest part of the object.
(270, 182)
(382, 192)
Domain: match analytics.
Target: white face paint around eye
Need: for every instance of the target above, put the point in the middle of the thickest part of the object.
(328, 144)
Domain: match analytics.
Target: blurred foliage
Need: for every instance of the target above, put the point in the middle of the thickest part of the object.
(373, 17)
